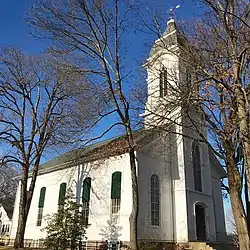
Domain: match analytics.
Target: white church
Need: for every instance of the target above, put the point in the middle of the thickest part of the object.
(179, 178)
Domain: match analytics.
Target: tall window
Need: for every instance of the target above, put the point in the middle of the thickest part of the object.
(188, 77)
(116, 192)
(155, 200)
(196, 168)
(62, 194)
(86, 187)
(163, 83)
(40, 206)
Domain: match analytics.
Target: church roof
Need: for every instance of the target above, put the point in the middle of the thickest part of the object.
(108, 148)
(8, 209)
(220, 170)
(172, 36)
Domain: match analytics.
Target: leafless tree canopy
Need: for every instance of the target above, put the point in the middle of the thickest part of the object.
(216, 55)
(43, 101)
(93, 33)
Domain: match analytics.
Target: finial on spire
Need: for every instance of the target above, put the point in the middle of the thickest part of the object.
(172, 9)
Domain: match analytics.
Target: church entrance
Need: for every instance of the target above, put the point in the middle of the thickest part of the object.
(200, 222)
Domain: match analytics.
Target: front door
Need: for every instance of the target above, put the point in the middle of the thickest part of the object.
(200, 223)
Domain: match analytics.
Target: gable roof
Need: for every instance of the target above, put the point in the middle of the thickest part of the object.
(101, 150)
(8, 209)
(220, 170)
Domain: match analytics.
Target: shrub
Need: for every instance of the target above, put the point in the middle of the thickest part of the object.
(66, 228)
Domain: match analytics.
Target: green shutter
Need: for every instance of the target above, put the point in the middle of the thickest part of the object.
(86, 190)
(62, 193)
(116, 185)
(42, 197)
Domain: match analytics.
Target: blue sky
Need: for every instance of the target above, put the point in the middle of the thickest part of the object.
(13, 28)
(15, 32)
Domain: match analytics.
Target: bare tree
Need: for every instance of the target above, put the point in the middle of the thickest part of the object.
(38, 97)
(94, 31)
(222, 44)
(209, 93)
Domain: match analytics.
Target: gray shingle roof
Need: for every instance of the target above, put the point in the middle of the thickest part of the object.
(108, 148)
(8, 209)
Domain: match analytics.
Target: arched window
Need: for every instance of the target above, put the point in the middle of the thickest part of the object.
(86, 187)
(40, 206)
(155, 200)
(196, 168)
(163, 83)
(116, 192)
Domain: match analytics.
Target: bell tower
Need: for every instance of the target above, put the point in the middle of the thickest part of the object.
(164, 75)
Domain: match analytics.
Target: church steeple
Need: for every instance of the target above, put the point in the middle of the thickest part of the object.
(171, 26)
(163, 67)
(171, 37)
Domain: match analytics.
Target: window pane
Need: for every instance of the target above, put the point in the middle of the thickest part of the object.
(115, 205)
(197, 168)
(39, 216)
(155, 200)
(163, 83)
(85, 212)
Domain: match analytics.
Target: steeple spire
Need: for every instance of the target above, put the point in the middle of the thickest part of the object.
(172, 37)
(172, 9)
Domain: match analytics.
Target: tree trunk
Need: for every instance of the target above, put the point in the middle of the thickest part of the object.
(240, 220)
(234, 182)
(244, 130)
(135, 207)
(25, 202)
(19, 240)
(247, 203)
(22, 218)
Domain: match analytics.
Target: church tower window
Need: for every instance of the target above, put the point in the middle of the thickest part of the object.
(163, 83)
(188, 78)
(62, 194)
(116, 192)
(86, 187)
(197, 168)
(41, 206)
(155, 200)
